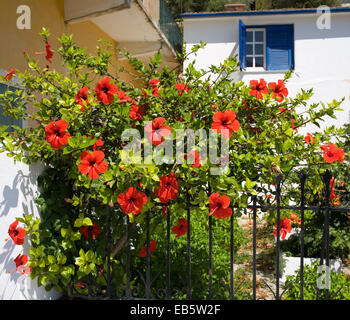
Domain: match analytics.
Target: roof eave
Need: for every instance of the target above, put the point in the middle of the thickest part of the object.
(260, 13)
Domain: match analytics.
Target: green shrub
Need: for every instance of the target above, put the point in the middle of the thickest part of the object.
(339, 285)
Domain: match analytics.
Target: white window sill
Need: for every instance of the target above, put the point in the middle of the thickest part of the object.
(262, 70)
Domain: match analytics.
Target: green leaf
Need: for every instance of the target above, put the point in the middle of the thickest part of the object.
(87, 222)
(51, 259)
(89, 256)
(79, 261)
(287, 145)
(64, 232)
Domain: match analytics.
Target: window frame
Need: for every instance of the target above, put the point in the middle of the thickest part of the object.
(253, 55)
(243, 28)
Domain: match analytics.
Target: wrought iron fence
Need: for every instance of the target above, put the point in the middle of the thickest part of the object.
(169, 26)
(129, 292)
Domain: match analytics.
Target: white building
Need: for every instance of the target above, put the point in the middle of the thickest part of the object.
(314, 43)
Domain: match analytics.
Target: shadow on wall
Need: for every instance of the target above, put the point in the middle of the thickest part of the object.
(18, 286)
(18, 198)
(10, 196)
(21, 189)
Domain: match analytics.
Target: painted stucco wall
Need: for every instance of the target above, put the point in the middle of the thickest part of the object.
(152, 7)
(322, 57)
(18, 187)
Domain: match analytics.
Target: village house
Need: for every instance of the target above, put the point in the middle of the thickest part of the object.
(314, 43)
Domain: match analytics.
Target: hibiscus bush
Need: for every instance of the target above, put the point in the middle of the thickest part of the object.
(314, 221)
(80, 120)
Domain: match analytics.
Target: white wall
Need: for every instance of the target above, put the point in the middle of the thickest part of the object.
(18, 189)
(322, 57)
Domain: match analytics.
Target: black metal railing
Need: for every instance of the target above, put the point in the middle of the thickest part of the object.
(169, 26)
(127, 292)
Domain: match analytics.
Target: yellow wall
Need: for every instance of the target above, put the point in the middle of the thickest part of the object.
(48, 14)
(44, 13)
(86, 35)
(152, 7)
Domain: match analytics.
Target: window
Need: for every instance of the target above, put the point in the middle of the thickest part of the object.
(269, 47)
(8, 120)
(256, 52)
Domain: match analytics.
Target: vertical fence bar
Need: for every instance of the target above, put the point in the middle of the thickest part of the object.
(148, 267)
(90, 248)
(168, 289)
(254, 248)
(188, 204)
(108, 223)
(232, 257)
(127, 288)
(322, 253)
(302, 178)
(278, 200)
(210, 271)
(327, 180)
(210, 257)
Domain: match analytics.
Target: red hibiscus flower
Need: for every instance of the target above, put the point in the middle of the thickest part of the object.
(105, 91)
(293, 126)
(332, 153)
(9, 75)
(309, 138)
(226, 120)
(156, 131)
(16, 234)
(82, 96)
(181, 228)
(168, 188)
(56, 134)
(97, 144)
(332, 190)
(219, 206)
(285, 227)
(154, 82)
(80, 284)
(283, 110)
(123, 97)
(92, 163)
(279, 90)
(49, 53)
(152, 248)
(195, 156)
(132, 201)
(155, 92)
(258, 88)
(136, 112)
(21, 261)
(293, 217)
(95, 231)
(181, 88)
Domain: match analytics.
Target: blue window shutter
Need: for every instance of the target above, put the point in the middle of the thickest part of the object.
(8, 120)
(242, 45)
(280, 47)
